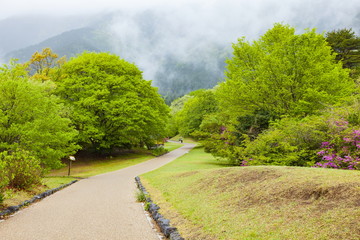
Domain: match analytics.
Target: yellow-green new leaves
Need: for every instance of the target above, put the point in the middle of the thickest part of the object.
(113, 107)
(284, 74)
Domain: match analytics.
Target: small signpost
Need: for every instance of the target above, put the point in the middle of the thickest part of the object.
(71, 159)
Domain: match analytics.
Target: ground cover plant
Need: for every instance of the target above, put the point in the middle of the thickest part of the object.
(209, 200)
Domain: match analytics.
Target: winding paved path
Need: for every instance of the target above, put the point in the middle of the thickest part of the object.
(96, 208)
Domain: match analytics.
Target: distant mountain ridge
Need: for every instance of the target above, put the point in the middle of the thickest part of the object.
(69, 44)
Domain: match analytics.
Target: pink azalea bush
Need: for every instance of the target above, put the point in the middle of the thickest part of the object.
(343, 151)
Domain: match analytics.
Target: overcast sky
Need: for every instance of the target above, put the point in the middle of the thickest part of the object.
(258, 7)
(63, 7)
(228, 14)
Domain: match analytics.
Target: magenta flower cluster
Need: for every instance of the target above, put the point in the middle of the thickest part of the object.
(342, 153)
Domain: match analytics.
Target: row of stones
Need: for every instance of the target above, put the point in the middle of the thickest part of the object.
(12, 209)
(163, 223)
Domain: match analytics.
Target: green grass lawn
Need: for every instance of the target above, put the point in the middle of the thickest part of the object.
(170, 146)
(209, 200)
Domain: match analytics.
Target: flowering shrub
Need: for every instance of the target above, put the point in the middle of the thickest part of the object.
(343, 151)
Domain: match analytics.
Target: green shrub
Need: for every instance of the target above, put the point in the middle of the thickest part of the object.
(147, 206)
(290, 141)
(23, 169)
(158, 151)
(140, 196)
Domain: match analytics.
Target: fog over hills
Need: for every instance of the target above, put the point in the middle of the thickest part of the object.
(180, 47)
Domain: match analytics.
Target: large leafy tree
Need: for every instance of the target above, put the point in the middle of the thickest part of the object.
(199, 104)
(33, 120)
(113, 106)
(346, 45)
(283, 73)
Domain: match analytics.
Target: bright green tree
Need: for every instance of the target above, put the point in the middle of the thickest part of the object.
(283, 73)
(113, 106)
(177, 105)
(200, 104)
(31, 119)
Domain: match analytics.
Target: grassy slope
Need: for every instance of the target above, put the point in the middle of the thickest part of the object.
(208, 201)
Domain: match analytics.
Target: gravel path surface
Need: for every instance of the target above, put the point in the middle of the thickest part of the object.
(99, 207)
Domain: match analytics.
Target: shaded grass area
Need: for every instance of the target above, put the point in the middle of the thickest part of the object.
(207, 200)
(87, 167)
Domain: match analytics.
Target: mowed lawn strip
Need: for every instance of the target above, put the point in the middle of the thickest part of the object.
(207, 200)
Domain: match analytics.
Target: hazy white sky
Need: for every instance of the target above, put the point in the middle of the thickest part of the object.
(17, 7)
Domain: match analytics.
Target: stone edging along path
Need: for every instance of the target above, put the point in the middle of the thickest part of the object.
(164, 224)
(12, 209)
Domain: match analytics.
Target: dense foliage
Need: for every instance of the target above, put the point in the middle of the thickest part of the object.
(32, 119)
(282, 96)
(23, 170)
(35, 132)
(200, 104)
(283, 73)
(50, 109)
(113, 106)
(346, 45)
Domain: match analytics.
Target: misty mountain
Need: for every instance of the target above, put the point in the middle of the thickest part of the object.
(175, 70)
(22, 31)
(69, 44)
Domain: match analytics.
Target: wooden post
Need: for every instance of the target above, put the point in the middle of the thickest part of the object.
(71, 158)
(69, 167)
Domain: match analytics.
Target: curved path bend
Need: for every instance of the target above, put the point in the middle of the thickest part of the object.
(96, 208)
